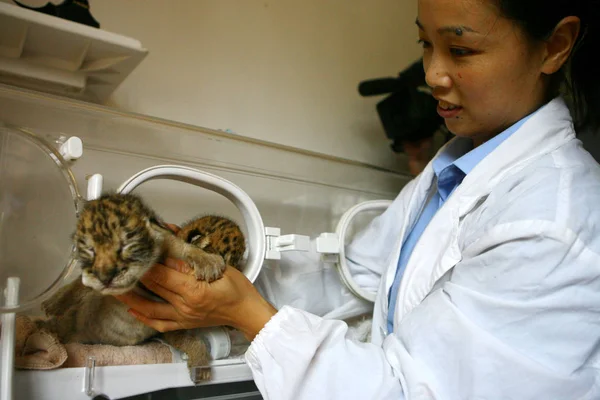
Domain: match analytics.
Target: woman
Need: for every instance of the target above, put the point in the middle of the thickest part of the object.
(487, 265)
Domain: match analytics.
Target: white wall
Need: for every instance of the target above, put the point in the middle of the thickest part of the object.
(278, 70)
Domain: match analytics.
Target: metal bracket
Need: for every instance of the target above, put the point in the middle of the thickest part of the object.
(276, 244)
(328, 245)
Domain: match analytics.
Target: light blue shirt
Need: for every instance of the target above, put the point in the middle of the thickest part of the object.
(450, 168)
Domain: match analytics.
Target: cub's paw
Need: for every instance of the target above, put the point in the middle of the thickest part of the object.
(209, 269)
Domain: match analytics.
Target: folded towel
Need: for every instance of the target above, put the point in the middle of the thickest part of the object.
(36, 348)
(148, 353)
(40, 349)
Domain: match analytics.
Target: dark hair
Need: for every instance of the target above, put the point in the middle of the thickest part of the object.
(539, 18)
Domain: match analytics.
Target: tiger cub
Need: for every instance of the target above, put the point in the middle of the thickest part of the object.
(118, 239)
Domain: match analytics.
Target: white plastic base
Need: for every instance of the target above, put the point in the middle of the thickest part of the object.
(119, 382)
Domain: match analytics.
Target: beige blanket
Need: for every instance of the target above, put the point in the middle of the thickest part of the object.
(40, 349)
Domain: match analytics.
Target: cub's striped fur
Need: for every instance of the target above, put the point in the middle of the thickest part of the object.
(118, 239)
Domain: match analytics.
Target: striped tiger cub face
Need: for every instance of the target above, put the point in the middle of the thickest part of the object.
(116, 243)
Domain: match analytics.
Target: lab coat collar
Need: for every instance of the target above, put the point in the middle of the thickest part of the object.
(548, 129)
(437, 251)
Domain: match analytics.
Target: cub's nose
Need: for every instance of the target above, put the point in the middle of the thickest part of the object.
(107, 275)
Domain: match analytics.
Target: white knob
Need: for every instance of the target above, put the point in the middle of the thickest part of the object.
(71, 149)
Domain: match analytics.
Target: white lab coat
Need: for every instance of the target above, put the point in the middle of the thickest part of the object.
(499, 300)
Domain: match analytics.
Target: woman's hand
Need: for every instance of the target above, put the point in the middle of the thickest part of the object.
(231, 300)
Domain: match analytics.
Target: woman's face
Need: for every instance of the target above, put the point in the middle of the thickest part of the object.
(484, 72)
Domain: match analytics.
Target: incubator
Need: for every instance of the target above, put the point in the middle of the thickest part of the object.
(296, 209)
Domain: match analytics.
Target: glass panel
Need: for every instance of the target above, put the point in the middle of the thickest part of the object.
(38, 201)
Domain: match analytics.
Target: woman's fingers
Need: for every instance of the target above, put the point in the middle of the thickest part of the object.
(168, 283)
(150, 309)
(161, 291)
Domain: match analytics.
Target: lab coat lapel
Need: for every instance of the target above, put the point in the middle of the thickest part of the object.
(413, 208)
(437, 251)
(414, 199)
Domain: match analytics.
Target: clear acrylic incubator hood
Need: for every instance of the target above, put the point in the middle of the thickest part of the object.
(39, 203)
